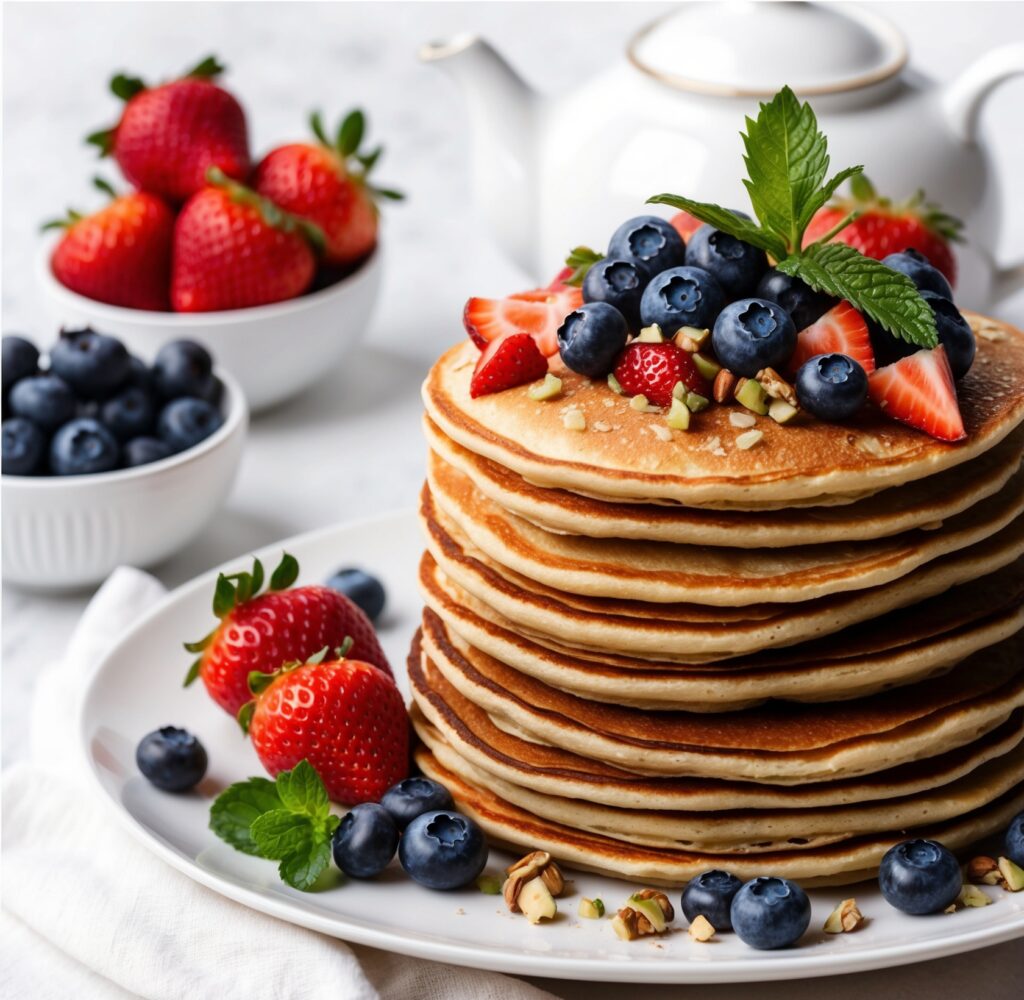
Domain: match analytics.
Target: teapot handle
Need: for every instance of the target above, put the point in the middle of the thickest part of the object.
(962, 103)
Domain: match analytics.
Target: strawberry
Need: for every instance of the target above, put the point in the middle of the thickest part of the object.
(653, 370)
(169, 136)
(685, 224)
(513, 360)
(918, 390)
(538, 312)
(328, 183)
(559, 282)
(885, 227)
(261, 631)
(344, 716)
(233, 249)
(842, 330)
(121, 254)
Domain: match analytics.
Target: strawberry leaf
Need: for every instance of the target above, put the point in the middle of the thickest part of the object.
(103, 140)
(581, 260)
(126, 87)
(224, 594)
(234, 810)
(193, 672)
(885, 295)
(728, 222)
(286, 574)
(350, 132)
(316, 124)
(205, 70)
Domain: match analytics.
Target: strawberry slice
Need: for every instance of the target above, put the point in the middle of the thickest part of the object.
(652, 370)
(558, 283)
(842, 330)
(685, 224)
(508, 362)
(538, 312)
(918, 390)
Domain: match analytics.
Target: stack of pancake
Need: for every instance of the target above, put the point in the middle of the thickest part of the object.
(653, 652)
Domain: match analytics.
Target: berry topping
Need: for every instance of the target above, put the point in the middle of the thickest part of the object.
(918, 390)
(93, 364)
(1013, 845)
(20, 359)
(172, 759)
(737, 266)
(24, 446)
(364, 590)
(443, 850)
(654, 370)
(842, 330)
(129, 414)
(143, 450)
(919, 876)
(832, 387)
(365, 841)
(184, 422)
(801, 301)
(770, 913)
(539, 313)
(413, 797)
(753, 334)
(591, 338)
(46, 400)
(621, 284)
(183, 368)
(513, 360)
(651, 241)
(710, 895)
(955, 333)
(920, 271)
(682, 296)
(82, 447)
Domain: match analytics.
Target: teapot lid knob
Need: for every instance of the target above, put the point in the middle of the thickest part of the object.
(738, 49)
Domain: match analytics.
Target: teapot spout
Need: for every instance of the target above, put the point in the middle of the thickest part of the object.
(502, 110)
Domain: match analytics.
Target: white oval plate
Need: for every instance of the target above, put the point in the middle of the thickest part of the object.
(137, 687)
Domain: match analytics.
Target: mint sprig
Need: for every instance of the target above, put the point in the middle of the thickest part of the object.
(787, 161)
(288, 820)
(581, 260)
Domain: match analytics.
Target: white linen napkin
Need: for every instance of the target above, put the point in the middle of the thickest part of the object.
(89, 913)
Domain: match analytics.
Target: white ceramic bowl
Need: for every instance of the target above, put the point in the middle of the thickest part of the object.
(65, 532)
(274, 351)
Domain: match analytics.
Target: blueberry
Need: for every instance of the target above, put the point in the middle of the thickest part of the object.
(1013, 846)
(82, 447)
(172, 759)
(620, 283)
(955, 333)
(46, 400)
(129, 414)
(24, 445)
(802, 302)
(919, 876)
(362, 589)
(139, 375)
(753, 334)
(650, 240)
(183, 368)
(591, 338)
(920, 271)
(736, 265)
(710, 894)
(682, 296)
(831, 386)
(413, 797)
(365, 841)
(93, 364)
(184, 422)
(20, 359)
(887, 348)
(443, 850)
(143, 450)
(770, 913)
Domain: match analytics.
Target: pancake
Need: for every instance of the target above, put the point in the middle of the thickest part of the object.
(779, 743)
(923, 504)
(684, 632)
(850, 861)
(663, 572)
(804, 460)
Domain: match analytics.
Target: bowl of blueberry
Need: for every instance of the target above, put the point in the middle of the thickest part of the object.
(108, 460)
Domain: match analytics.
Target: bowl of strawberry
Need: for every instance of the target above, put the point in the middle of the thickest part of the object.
(108, 460)
(270, 260)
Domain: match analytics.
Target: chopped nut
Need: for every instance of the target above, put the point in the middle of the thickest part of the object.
(701, 928)
(844, 918)
(951, 908)
(742, 419)
(678, 416)
(661, 432)
(536, 902)
(646, 912)
(776, 386)
(750, 393)
(992, 333)
(983, 870)
(600, 425)
(781, 412)
(695, 402)
(640, 403)
(1013, 875)
(651, 335)
(536, 863)
(591, 909)
(679, 391)
(549, 388)
(972, 896)
(748, 439)
(574, 420)
(489, 884)
(708, 368)
(613, 384)
(725, 383)
(691, 338)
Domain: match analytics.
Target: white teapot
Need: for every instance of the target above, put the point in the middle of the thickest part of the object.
(552, 174)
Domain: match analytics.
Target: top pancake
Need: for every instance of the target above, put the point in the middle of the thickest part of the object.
(806, 461)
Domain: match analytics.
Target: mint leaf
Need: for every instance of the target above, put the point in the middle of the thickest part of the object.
(304, 866)
(728, 222)
(581, 259)
(887, 296)
(234, 810)
(280, 832)
(821, 198)
(303, 792)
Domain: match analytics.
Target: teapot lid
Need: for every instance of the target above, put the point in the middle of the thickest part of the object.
(738, 49)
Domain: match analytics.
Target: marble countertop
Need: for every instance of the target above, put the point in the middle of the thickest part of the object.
(351, 446)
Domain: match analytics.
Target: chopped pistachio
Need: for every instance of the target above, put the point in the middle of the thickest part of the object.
(640, 403)
(649, 909)
(547, 389)
(971, 895)
(695, 335)
(651, 335)
(1012, 874)
(489, 884)
(613, 384)
(679, 391)
(695, 402)
(748, 439)
(621, 928)
(752, 395)
(781, 412)
(678, 416)
(708, 368)
(574, 420)
(701, 929)
(591, 909)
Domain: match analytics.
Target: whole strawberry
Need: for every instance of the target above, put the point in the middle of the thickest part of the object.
(259, 632)
(344, 716)
(170, 135)
(884, 227)
(328, 183)
(121, 254)
(234, 249)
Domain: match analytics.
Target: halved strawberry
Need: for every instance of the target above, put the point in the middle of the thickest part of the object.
(918, 390)
(842, 330)
(652, 370)
(538, 312)
(685, 224)
(508, 362)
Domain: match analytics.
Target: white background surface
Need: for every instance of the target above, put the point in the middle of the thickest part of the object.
(352, 446)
